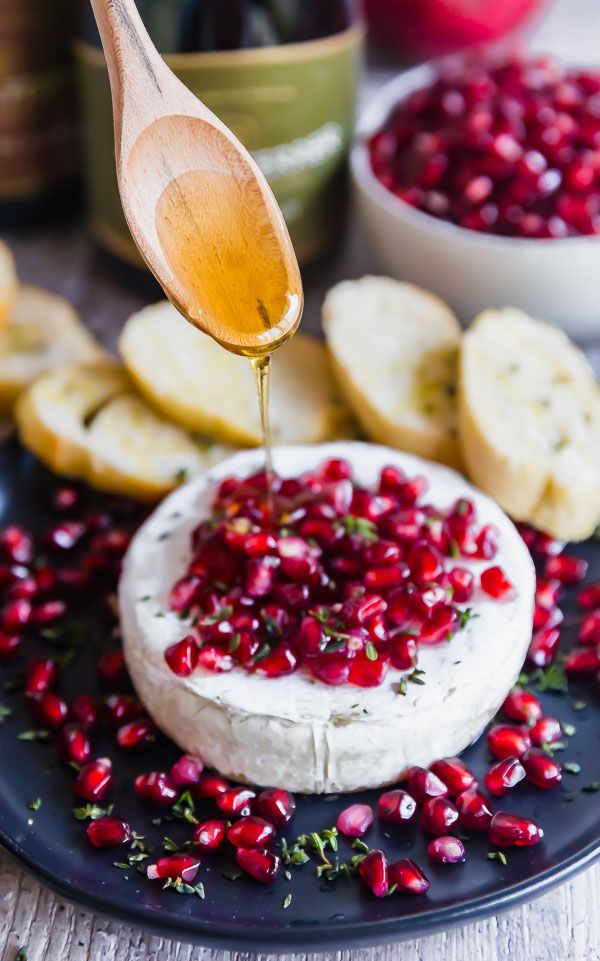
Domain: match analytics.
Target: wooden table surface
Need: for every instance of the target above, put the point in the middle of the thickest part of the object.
(564, 925)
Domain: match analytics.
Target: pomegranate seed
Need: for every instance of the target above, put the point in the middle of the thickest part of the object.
(108, 832)
(25, 588)
(462, 583)
(276, 806)
(440, 626)
(16, 616)
(333, 669)
(65, 536)
(184, 866)
(251, 832)
(396, 807)
(119, 709)
(66, 500)
(446, 850)
(522, 706)
(75, 581)
(48, 612)
(182, 657)
(589, 597)
(512, 830)
(403, 652)
(354, 821)
(495, 583)
(236, 801)
(546, 617)
(582, 662)
(474, 810)
(46, 581)
(84, 710)
(335, 469)
(368, 669)
(259, 863)
(49, 709)
(425, 564)
(213, 658)
(438, 816)
(503, 776)
(10, 646)
(454, 773)
(210, 834)
(566, 568)
(408, 877)
(589, 630)
(373, 871)
(280, 662)
(547, 593)
(541, 769)
(486, 542)
(185, 593)
(41, 674)
(74, 744)
(506, 741)
(112, 672)
(94, 780)
(136, 734)
(16, 544)
(211, 785)
(423, 784)
(157, 787)
(544, 646)
(547, 730)
(186, 771)
(260, 576)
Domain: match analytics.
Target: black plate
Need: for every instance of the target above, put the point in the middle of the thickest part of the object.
(242, 914)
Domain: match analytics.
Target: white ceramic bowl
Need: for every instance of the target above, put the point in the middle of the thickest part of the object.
(556, 280)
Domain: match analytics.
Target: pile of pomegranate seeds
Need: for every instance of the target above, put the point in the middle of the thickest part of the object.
(344, 581)
(507, 147)
(99, 732)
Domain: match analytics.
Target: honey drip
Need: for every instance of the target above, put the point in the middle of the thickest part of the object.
(261, 367)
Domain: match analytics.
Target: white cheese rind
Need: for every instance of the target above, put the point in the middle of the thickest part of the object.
(296, 732)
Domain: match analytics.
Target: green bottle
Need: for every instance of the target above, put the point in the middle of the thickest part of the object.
(281, 73)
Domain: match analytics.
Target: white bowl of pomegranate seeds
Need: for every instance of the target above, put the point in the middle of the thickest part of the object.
(481, 182)
(374, 619)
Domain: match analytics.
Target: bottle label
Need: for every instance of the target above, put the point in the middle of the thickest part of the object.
(291, 105)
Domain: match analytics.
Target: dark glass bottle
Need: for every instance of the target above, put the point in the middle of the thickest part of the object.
(281, 73)
(38, 142)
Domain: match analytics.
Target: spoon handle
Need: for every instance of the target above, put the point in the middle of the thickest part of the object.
(134, 65)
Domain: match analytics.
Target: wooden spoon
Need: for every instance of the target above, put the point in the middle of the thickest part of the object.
(198, 207)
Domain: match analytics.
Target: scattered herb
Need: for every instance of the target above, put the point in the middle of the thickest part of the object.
(552, 678)
(360, 527)
(287, 901)
(142, 600)
(579, 705)
(180, 886)
(572, 767)
(464, 616)
(181, 475)
(591, 788)
(35, 805)
(415, 677)
(91, 812)
(371, 651)
(39, 735)
(232, 875)
(185, 807)
(4, 713)
(569, 729)
(497, 856)
(402, 687)
(21, 954)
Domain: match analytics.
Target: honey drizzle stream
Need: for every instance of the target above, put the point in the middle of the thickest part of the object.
(261, 367)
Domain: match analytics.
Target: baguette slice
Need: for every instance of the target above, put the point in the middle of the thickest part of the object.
(136, 452)
(395, 349)
(196, 383)
(42, 332)
(9, 283)
(530, 422)
(86, 421)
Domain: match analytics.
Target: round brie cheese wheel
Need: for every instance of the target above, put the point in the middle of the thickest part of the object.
(296, 732)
